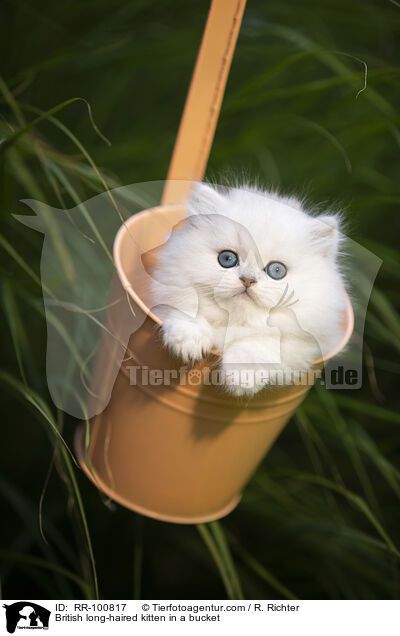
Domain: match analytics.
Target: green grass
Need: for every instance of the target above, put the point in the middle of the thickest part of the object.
(321, 516)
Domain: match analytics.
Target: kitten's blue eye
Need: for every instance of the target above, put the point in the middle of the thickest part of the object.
(276, 270)
(228, 258)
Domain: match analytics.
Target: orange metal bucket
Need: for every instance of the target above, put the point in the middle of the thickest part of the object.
(180, 452)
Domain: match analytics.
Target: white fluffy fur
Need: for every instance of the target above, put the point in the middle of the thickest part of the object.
(285, 323)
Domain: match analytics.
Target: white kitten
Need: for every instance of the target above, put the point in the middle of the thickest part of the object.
(251, 275)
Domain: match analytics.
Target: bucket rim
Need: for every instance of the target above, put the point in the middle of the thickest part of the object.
(127, 285)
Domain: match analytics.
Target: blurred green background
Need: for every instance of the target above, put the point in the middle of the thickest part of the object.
(321, 517)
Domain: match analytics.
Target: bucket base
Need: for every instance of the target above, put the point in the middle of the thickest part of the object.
(127, 503)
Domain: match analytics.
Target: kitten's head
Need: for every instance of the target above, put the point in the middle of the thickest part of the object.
(249, 249)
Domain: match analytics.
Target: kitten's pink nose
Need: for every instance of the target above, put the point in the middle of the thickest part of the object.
(247, 281)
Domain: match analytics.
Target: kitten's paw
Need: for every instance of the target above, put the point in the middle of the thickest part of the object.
(187, 339)
(242, 354)
(241, 389)
(244, 367)
(243, 382)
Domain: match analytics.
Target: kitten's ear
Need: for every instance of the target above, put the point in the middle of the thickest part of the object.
(326, 235)
(204, 200)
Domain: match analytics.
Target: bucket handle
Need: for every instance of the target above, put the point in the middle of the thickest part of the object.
(204, 99)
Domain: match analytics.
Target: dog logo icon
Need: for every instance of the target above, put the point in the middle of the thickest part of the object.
(26, 615)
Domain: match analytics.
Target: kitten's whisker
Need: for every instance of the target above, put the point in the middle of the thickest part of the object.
(291, 304)
(289, 297)
(280, 301)
(282, 298)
